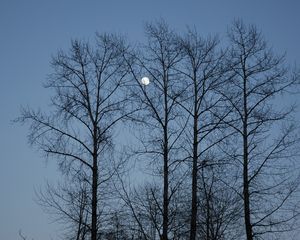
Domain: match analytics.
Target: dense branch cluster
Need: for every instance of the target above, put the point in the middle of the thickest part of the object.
(207, 150)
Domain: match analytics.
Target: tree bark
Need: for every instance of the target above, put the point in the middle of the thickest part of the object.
(94, 203)
(193, 225)
(246, 194)
(166, 166)
(165, 196)
(94, 230)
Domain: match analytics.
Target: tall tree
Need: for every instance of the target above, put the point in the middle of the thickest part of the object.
(157, 61)
(88, 102)
(263, 130)
(202, 70)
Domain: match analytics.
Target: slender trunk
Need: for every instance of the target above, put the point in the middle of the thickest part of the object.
(193, 224)
(246, 194)
(246, 191)
(165, 197)
(81, 213)
(207, 193)
(94, 230)
(79, 228)
(94, 203)
(165, 187)
(166, 166)
(193, 227)
(208, 217)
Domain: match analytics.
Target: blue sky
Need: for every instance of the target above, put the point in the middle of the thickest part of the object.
(32, 31)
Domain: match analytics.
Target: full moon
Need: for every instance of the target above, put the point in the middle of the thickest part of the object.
(145, 81)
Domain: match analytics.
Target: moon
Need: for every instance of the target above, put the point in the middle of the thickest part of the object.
(145, 81)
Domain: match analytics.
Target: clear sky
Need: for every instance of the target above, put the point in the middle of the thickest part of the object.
(32, 31)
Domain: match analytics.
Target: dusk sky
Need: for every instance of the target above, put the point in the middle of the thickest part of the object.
(32, 31)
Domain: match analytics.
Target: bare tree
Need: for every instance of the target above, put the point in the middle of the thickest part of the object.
(88, 102)
(210, 126)
(264, 144)
(157, 61)
(69, 204)
(202, 69)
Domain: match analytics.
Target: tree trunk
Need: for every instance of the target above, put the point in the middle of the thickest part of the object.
(166, 189)
(246, 194)
(246, 191)
(166, 203)
(208, 217)
(94, 230)
(193, 227)
(166, 162)
(94, 201)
